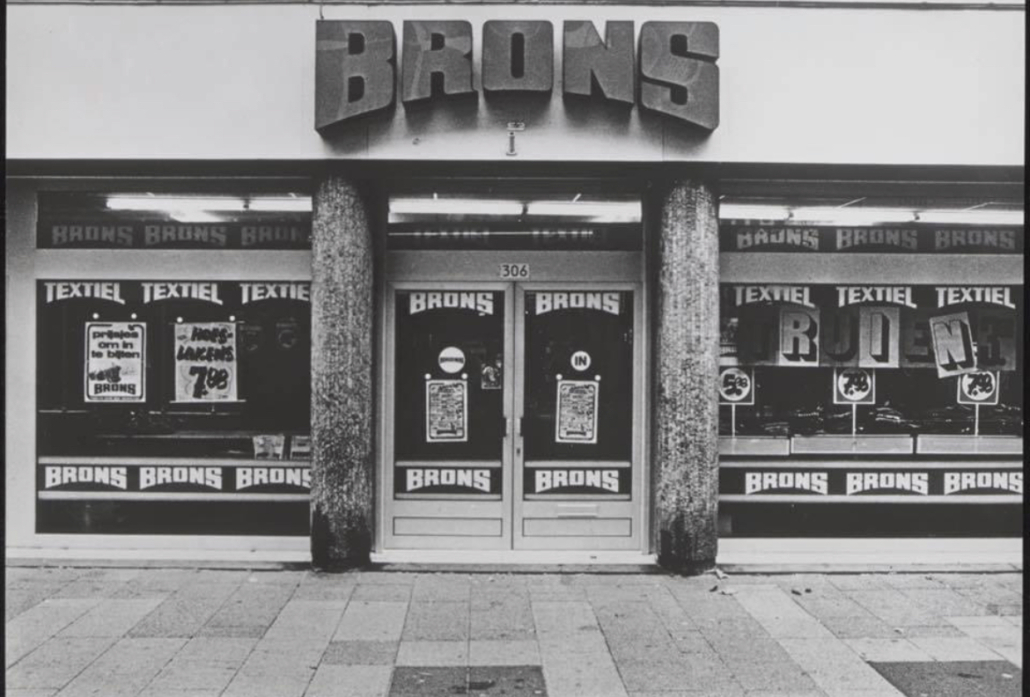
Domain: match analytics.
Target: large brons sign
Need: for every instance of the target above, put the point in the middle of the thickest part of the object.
(357, 65)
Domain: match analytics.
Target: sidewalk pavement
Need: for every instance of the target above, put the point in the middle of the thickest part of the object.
(201, 633)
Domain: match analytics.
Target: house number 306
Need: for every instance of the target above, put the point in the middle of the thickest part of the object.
(514, 270)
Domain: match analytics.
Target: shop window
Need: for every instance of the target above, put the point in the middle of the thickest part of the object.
(142, 220)
(844, 404)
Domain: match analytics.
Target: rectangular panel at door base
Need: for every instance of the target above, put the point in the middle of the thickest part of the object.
(455, 527)
(577, 527)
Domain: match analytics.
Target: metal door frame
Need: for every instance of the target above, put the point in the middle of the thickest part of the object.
(465, 270)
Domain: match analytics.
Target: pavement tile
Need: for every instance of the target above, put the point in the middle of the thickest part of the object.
(323, 592)
(854, 627)
(112, 574)
(18, 600)
(151, 691)
(954, 679)
(372, 621)
(887, 650)
(941, 630)
(30, 576)
(185, 612)
(281, 684)
(360, 653)
(350, 681)
(590, 675)
(124, 669)
(488, 652)
(894, 608)
(233, 651)
(433, 653)
(995, 635)
(393, 592)
(514, 680)
(833, 666)
(111, 618)
(945, 601)
(441, 588)
(781, 616)
(502, 617)
(561, 618)
(910, 581)
(425, 681)
(32, 627)
(194, 675)
(436, 621)
(315, 619)
(56, 662)
(18, 692)
(857, 582)
(955, 649)
(252, 606)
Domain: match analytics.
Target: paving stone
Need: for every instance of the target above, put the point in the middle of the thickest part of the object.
(954, 679)
(230, 576)
(781, 616)
(372, 621)
(361, 653)
(117, 575)
(856, 627)
(111, 618)
(441, 588)
(315, 619)
(436, 621)
(253, 606)
(194, 675)
(185, 612)
(887, 650)
(488, 652)
(18, 600)
(502, 617)
(54, 664)
(946, 601)
(857, 582)
(995, 635)
(350, 681)
(833, 666)
(826, 605)
(433, 653)
(425, 681)
(124, 669)
(151, 691)
(516, 681)
(935, 630)
(894, 608)
(281, 684)
(32, 627)
(590, 675)
(29, 576)
(18, 692)
(323, 592)
(955, 649)
(564, 618)
(393, 592)
(233, 651)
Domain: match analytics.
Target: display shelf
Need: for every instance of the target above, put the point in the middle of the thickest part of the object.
(968, 445)
(887, 444)
(763, 446)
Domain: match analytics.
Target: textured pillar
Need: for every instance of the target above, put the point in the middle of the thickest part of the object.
(342, 310)
(686, 457)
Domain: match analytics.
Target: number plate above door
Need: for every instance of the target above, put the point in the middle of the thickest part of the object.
(513, 271)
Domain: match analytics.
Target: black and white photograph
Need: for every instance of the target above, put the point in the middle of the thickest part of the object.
(521, 348)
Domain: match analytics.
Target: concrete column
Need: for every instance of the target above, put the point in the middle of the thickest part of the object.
(342, 405)
(686, 455)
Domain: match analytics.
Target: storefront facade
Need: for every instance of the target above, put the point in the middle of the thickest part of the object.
(515, 283)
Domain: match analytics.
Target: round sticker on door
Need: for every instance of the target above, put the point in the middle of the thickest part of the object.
(580, 360)
(451, 359)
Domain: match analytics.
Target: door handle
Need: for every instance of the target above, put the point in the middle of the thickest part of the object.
(505, 421)
(519, 434)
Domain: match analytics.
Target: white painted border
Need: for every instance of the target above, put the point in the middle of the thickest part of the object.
(515, 557)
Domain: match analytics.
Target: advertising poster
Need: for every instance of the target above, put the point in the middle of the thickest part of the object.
(205, 362)
(577, 412)
(446, 411)
(115, 361)
(854, 386)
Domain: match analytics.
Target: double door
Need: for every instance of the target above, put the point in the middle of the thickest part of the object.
(512, 416)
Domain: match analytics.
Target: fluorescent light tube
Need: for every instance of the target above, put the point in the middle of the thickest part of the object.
(454, 206)
(977, 216)
(852, 216)
(752, 211)
(194, 217)
(596, 211)
(170, 204)
(301, 204)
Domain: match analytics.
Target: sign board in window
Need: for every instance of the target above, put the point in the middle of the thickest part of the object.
(205, 362)
(577, 412)
(446, 411)
(115, 362)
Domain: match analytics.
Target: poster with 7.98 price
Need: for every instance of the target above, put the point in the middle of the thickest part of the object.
(205, 362)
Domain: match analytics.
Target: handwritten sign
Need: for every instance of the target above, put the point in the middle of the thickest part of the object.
(115, 363)
(446, 411)
(577, 412)
(205, 362)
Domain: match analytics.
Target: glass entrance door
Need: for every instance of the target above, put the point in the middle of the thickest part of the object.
(513, 417)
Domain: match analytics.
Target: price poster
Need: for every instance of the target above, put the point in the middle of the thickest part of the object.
(854, 386)
(978, 388)
(577, 412)
(115, 361)
(737, 386)
(446, 411)
(205, 362)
